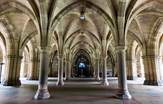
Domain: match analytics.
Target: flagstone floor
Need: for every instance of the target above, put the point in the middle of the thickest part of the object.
(81, 92)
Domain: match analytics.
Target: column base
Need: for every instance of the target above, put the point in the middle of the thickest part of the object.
(97, 78)
(125, 95)
(16, 83)
(67, 78)
(131, 77)
(105, 82)
(153, 82)
(42, 94)
(60, 83)
(33, 78)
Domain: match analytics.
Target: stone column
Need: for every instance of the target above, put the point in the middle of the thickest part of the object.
(105, 80)
(17, 70)
(23, 72)
(60, 71)
(12, 71)
(42, 92)
(1, 70)
(65, 69)
(33, 69)
(122, 77)
(131, 69)
(69, 69)
(116, 69)
(152, 71)
(51, 69)
(97, 70)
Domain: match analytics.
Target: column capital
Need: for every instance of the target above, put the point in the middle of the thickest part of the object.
(44, 49)
(151, 56)
(120, 48)
(104, 55)
(131, 60)
(97, 59)
(60, 56)
(13, 56)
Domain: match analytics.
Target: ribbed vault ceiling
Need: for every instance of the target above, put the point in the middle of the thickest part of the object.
(65, 30)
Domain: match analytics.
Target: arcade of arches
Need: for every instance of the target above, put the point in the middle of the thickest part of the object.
(68, 39)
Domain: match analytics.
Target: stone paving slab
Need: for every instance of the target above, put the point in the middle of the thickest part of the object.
(80, 93)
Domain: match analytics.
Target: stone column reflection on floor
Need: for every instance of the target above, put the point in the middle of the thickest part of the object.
(42, 92)
(60, 71)
(122, 76)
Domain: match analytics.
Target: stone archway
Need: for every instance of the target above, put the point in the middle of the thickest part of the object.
(2, 59)
(82, 67)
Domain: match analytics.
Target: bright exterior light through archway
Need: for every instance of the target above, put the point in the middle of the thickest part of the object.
(82, 17)
(81, 65)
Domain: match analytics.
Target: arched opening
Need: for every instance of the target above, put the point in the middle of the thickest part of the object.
(139, 63)
(135, 63)
(161, 57)
(2, 59)
(24, 69)
(110, 65)
(53, 65)
(82, 67)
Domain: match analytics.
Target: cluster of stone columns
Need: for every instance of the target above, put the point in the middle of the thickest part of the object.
(1, 70)
(122, 75)
(151, 65)
(152, 70)
(105, 80)
(97, 69)
(34, 68)
(60, 81)
(42, 92)
(131, 69)
(12, 71)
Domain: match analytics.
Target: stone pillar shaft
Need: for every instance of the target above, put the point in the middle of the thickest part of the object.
(131, 69)
(105, 80)
(66, 70)
(151, 67)
(12, 72)
(69, 70)
(60, 71)
(34, 69)
(122, 77)
(97, 69)
(1, 70)
(42, 92)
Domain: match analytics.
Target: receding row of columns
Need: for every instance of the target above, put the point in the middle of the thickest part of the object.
(14, 62)
(151, 66)
(42, 92)
(152, 71)
(11, 72)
